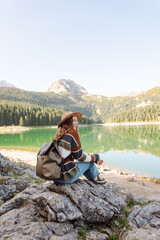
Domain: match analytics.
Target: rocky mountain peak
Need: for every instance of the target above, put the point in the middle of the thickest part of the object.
(66, 86)
(3, 83)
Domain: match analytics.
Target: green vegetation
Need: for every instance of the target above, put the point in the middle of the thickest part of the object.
(99, 228)
(44, 99)
(114, 237)
(39, 181)
(155, 180)
(14, 194)
(45, 108)
(148, 113)
(82, 233)
(1, 181)
(127, 209)
(129, 206)
(15, 175)
(24, 204)
(124, 222)
(120, 222)
(31, 179)
(24, 114)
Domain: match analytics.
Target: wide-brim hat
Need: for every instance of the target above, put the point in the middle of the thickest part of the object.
(68, 115)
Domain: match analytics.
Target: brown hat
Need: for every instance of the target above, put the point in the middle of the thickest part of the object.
(67, 115)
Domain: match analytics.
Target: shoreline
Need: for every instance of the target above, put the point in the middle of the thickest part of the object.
(17, 129)
(25, 128)
(24, 155)
(131, 123)
(144, 186)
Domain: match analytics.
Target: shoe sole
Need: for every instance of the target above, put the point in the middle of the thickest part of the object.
(96, 182)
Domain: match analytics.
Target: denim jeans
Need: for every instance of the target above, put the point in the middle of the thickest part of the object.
(89, 170)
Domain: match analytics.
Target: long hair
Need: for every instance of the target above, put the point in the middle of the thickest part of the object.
(63, 129)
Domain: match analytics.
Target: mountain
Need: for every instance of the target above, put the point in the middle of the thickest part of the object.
(68, 96)
(66, 86)
(150, 93)
(6, 84)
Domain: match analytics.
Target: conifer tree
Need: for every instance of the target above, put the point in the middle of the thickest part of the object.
(21, 121)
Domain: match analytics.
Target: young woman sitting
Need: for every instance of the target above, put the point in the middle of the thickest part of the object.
(79, 162)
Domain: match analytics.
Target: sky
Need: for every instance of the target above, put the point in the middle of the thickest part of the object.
(109, 47)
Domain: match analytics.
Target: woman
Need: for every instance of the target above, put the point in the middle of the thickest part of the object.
(69, 143)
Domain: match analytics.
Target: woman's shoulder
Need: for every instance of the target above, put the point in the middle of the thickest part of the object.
(75, 136)
(73, 132)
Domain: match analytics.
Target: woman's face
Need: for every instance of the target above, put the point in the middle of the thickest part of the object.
(75, 123)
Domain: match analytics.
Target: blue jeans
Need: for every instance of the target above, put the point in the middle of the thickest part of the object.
(89, 170)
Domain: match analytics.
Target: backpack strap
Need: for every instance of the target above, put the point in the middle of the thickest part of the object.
(64, 160)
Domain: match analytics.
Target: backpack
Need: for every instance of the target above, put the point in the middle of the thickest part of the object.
(49, 161)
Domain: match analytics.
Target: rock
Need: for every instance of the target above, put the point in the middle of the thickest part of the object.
(19, 184)
(141, 183)
(145, 223)
(49, 210)
(88, 197)
(10, 186)
(130, 179)
(7, 166)
(94, 235)
(63, 212)
(13, 178)
(134, 212)
(6, 192)
(155, 224)
(146, 215)
(141, 233)
(21, 198)
(66, 86)
(58, 207)
(140, 199)
(106, 169)
(22, 223)
(123, 173)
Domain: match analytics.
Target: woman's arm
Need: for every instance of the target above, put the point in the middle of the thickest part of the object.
(77, 151)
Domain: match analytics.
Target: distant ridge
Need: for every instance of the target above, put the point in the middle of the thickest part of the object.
(66, 86)
(3, 83)
(69, 96)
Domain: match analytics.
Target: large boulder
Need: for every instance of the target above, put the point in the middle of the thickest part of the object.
(54, 211)
(145, 223)
(14, 178)
(81, 210)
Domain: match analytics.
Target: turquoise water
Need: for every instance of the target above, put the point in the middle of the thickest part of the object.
(135, 149)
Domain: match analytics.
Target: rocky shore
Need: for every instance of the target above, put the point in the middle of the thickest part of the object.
(34, 209)
(135, 184)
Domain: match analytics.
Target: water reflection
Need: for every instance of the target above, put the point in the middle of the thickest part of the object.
(135, 148)
(133, 162)
(102, 139)
(28, 140)
(93, 138)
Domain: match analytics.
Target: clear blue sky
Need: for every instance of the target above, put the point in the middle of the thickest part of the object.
(106, 46)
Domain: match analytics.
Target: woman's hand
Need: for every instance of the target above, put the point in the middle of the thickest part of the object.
(100, 162)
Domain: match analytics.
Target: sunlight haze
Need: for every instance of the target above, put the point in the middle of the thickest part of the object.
(107, 47)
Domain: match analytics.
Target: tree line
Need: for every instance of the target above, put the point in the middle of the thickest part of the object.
(29, 115)
(98, 108)
(147, 113)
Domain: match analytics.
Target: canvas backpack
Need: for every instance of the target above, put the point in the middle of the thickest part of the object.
(49, 161)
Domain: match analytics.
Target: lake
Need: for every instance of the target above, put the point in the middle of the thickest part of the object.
(135, 149)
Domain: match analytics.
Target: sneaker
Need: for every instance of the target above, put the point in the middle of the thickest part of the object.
(98, 180)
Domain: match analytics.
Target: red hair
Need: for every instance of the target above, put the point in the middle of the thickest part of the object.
(63, 129)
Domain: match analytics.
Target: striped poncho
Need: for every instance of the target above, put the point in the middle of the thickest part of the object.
(70, 144)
